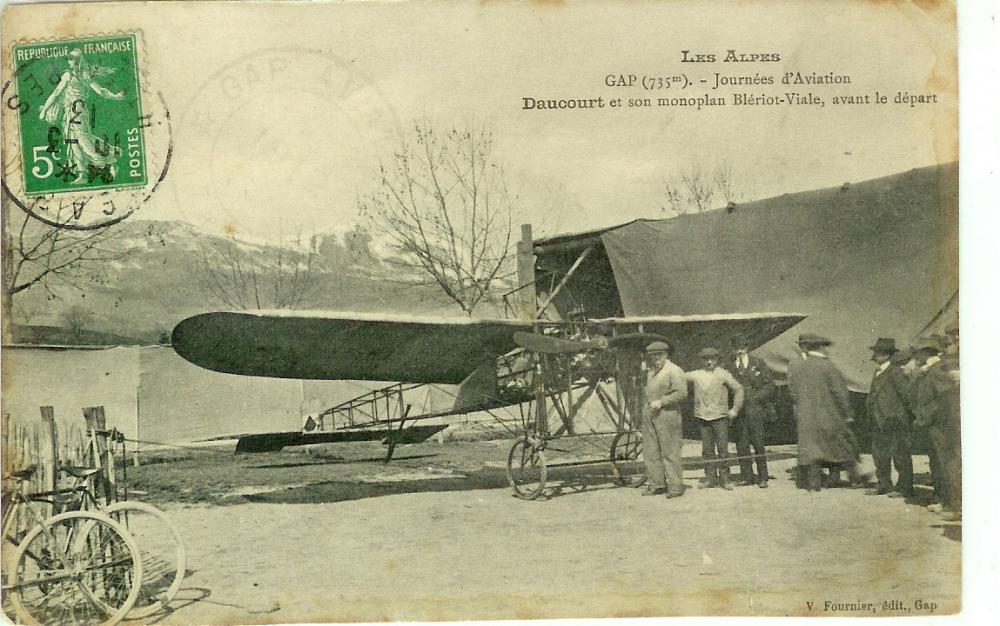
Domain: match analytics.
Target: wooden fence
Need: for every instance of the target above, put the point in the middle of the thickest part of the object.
(48, 445)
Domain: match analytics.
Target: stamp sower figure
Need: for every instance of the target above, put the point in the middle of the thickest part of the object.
(666, 389)
(712, 387)
(68, 109)
(936, 406)
(822, 413)
(758, 389)
(889, 407)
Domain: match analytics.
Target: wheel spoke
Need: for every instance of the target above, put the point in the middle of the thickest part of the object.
(76, 568)
(526, 469)
(162, 551)
(626, 448)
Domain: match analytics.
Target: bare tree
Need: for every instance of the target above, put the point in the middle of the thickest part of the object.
(444, 205)
(76, 319)
(693, 190)
(675, 200)
(43, 256)
(699, 187)
(724, 181)
(241, 275)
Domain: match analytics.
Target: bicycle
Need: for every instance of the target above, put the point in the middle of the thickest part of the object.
(160, 545)
(77, 567)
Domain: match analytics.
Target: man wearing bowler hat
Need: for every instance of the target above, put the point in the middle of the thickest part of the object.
(936, 407)
(822, 413)
(889, 407)
(712, 388)
(666, 389)
(755, 376)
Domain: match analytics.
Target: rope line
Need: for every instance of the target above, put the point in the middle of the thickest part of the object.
(175, 445)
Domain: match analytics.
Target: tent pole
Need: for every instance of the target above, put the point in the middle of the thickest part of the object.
(562, 283)
(526, 295)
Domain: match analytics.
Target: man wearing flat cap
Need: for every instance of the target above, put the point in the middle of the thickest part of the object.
(889, 407)
(666, 390)
(822, 413)
(936, 407)
(712, 388)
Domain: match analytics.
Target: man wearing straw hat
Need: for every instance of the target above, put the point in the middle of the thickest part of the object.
(666, 389)
(822, 413)
(889, 407)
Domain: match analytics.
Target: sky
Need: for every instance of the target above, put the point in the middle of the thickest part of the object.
(281, 112)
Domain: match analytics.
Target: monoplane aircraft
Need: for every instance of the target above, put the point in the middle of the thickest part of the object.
(548, 370)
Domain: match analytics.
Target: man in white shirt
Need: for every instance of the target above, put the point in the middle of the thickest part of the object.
(712, 387)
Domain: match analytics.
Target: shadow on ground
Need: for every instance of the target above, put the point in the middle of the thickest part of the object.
(950, 531)
(341, 461)
(561, 481)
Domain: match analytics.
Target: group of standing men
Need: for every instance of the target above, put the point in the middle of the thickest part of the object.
(918, 388)
(737, 395)
(911, 389)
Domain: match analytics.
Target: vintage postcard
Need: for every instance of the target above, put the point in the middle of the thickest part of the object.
(418, 311)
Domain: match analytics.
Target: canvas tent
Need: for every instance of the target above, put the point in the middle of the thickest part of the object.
(866, 260)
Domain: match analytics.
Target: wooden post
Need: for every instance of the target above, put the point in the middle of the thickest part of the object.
(5, 434)
(48, 455)
(526, 295)
(541, 415)
(96, 427)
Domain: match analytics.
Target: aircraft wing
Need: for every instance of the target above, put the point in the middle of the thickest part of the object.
(690, 333)
(354, 346)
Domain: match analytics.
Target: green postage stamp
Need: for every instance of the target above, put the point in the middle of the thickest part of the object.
(80, 117)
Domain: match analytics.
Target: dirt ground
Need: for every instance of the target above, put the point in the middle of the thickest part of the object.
(333, 536)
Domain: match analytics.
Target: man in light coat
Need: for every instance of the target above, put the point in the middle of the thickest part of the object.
(666, 390)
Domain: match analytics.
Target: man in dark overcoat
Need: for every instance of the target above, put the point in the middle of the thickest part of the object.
(750, 423)
(889, 407)
(822, 413)
(936, 407)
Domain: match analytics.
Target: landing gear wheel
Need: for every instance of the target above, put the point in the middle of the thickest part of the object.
(163, 554)
(626, 448)
(526, 469)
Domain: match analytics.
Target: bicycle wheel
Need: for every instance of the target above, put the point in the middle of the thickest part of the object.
(163, 555)
(75, 568)
(625, 465)
(526, 470)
